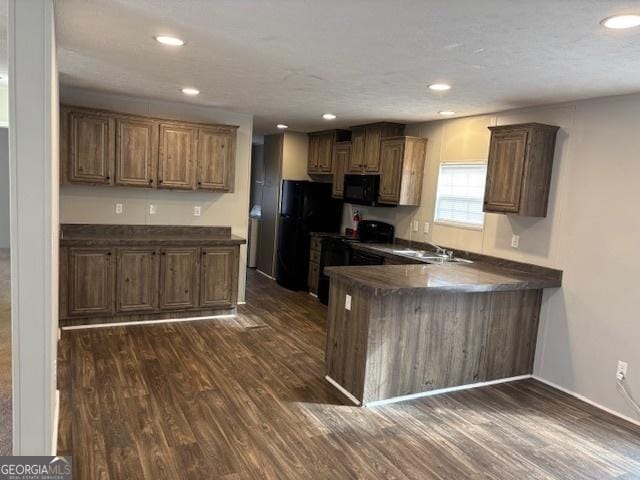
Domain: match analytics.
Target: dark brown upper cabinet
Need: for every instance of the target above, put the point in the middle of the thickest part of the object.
(365, 150)
(341, 157)
(177, 161)
(402, 166)
(519, 169)
(88, 140)
(136, 152)
(216, 159)
(321, 150)
(110, 148)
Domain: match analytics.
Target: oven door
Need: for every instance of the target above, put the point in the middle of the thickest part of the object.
(335, 252)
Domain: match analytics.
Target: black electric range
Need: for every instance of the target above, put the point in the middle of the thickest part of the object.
(337, 251)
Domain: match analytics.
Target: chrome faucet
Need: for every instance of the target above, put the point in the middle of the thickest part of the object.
(440, 250)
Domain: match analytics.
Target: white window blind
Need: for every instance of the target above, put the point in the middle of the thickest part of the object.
(461, 193)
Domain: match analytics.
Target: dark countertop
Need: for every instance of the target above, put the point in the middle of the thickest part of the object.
(447, 277)
(97, 235)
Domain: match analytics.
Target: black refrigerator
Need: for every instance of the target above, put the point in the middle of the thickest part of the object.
(304, 207)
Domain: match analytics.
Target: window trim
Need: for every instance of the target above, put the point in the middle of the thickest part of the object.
(450, 223)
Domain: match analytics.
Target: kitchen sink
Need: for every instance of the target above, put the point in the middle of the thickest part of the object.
(430, 257)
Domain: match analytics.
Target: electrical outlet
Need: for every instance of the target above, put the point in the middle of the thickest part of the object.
(347, 302)
(621, 371)
(416, 226)
(119, 208)
(197, 210)
(426, 227)
(152, 209)
(515, 241)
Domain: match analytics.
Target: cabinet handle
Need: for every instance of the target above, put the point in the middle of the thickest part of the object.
(153, 253)
(199, 183)
(163, 253)
(151, 180)
(204, 253)
(108, 177)
(159, 181)
(108, 254)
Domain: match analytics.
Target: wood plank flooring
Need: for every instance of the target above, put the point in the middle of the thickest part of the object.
(245, 398)
(5, 353)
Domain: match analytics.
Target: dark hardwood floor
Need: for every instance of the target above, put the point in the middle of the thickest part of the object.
(245, 398)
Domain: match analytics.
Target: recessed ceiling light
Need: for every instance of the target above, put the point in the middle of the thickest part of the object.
(329, 116)
(440, 87)
(282, 126)
(447, 113)
(169, 40)
(190, 91)
(619, 22)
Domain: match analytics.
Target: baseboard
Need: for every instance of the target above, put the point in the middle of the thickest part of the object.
(439, 391)
(584, 399)
(56, 421)
(147, 322)
(264, 274)
(342, 390)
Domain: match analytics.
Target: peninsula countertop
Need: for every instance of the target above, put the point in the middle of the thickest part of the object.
(441, 277)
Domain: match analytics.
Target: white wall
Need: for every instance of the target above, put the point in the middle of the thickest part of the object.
(4, 188)
(84, 204)
(590, 232)
(34, 183)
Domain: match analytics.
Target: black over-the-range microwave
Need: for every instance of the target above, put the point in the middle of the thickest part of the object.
(362, 190)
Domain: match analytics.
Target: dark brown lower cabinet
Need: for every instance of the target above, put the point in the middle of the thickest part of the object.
(178, 278)
(91, 281)
(111, 284)
(137, 280)
(218, 284)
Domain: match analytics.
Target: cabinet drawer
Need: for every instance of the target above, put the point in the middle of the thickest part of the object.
(314, 256)
(316, 244)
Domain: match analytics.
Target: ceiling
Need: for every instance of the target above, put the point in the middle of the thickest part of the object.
(290, 61)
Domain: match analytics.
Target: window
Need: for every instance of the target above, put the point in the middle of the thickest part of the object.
(460, 194)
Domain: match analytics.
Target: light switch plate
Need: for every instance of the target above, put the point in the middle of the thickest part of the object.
(152, 209)
(347, 302)
(416, 226)
(197, 211)
(119, 208)
(427, 226)
(515, 241)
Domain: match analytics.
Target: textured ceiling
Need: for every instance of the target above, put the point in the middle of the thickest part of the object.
(290, 61)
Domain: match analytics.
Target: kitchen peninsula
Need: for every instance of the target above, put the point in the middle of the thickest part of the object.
(398, 330)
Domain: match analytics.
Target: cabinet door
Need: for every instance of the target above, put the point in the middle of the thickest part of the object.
(178, 278)
(325, 153)
(216, 158)
(372, 149)
(137, 280)
(504, 171)
(177, 156)
(340, 161)
(136, 152)
(314, 144)
(356, 160)
(314, 277)
(91, 148)
(91, 281)
(218, 281)
(391, 158)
